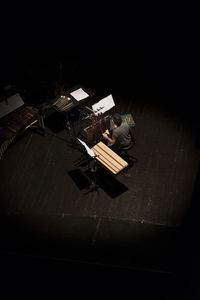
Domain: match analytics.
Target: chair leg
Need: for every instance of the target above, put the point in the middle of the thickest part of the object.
(128, 156)
(126, 171)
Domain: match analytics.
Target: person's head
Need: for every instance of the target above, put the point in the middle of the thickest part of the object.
(117, 119)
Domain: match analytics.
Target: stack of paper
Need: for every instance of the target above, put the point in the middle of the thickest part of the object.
(79, 94)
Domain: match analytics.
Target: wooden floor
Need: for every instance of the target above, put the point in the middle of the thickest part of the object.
(134, 220)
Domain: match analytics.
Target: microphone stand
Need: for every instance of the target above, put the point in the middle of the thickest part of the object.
(93, 181)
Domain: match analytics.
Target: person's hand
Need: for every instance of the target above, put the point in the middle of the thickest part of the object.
(115, 126)
(105, 135)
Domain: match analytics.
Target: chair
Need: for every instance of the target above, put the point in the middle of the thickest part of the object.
(124, 152)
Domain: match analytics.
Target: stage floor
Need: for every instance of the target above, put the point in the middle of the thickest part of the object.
(134, 220)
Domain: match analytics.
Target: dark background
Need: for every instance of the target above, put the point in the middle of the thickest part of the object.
(147, 46)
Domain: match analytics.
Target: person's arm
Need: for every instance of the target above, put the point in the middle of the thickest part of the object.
(110, 140)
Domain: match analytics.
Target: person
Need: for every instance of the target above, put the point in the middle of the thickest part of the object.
(121, 134)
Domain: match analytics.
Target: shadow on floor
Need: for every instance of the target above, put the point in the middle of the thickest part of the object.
(107, 182)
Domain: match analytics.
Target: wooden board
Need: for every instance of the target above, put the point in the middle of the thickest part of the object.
(109, 158)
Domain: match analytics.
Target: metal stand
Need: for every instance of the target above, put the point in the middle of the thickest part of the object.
(70, 128)
(93, 181)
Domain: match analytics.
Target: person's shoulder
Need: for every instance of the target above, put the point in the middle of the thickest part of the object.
(125, 124)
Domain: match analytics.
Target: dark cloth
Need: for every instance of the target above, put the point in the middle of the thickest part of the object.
(122, 135)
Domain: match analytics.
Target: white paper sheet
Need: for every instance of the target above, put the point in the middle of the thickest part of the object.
(10, 104)
(79, 94)
(103, 105)
(89, 151)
